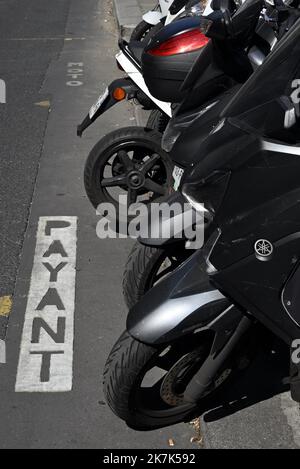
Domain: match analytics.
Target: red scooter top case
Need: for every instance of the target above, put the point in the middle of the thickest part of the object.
(169, 57)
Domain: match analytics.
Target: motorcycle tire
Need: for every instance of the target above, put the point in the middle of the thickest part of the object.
(132, 365)
(157, 120)
(140, 31)
(147, 265)
(131, 152)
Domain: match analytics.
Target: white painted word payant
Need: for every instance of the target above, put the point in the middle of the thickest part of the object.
(46, 354)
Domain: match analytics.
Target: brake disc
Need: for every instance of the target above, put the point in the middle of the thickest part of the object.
(167, 390)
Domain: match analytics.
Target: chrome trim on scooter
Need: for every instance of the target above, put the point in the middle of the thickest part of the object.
(279, 148)
(210, 268)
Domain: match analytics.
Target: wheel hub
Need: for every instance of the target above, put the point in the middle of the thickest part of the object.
(135, 180)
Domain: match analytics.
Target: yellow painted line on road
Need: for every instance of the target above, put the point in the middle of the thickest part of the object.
(5, 305)
(43, 103)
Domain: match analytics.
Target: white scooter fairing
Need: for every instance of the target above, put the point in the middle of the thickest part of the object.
(158, 13)
(136, 76)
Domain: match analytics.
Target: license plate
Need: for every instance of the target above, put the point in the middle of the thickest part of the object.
(98, 103)
(177, 175)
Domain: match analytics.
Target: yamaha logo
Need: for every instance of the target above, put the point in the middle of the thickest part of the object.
(263, 249)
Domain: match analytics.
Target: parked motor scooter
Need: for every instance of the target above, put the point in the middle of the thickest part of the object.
(151, 259)
(164, 13)
(185, 338)
(131, 159)
(133, 85)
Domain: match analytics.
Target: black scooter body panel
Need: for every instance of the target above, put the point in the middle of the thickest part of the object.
(262, 199)
(192, 137)
(258, 286)
(267, 208)
(291, 296)
(181, 303)
(161, 224)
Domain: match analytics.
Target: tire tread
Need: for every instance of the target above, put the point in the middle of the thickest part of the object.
(122, 368)
(139, 133)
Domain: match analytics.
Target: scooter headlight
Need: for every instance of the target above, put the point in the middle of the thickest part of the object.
(178, 124)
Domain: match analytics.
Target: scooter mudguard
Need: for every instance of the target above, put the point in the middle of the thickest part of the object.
(153, 17)
(183, 303)
(108, 100)
(174, 225)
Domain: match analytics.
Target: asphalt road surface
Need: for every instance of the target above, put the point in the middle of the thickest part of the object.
(56, 58)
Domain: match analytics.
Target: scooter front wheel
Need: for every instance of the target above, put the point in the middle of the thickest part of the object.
(144, 385)
(128, 162)
(147, 265)
(140, 31)
(158, 120)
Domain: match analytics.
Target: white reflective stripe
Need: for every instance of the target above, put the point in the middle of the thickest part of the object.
(278, 148)
(138, 79)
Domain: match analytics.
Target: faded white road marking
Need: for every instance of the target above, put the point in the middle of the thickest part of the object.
(291, 411)
(2, 352)
(46, 353)
(2, 92)
(75, 72)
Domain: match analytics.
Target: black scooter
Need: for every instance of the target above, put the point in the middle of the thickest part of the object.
(187, 336)
(131, 160)
(151, 259)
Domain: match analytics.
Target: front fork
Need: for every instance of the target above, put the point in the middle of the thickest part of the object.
(224, 343)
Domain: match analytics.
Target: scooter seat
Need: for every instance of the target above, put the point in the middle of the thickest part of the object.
(136, 48)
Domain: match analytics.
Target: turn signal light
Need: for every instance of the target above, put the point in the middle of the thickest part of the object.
(185, 42)
(119, 94)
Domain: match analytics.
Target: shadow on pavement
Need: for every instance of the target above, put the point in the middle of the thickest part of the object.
(266, 377)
